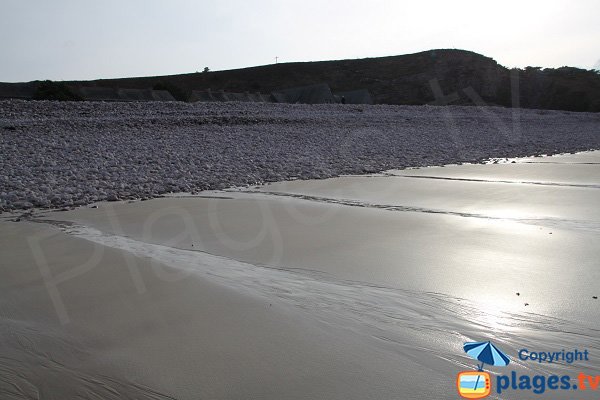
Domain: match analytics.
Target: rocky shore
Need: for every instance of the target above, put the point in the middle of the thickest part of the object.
(64, 154)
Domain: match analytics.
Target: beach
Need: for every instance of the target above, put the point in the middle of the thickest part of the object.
(352, 287)
(340, 200)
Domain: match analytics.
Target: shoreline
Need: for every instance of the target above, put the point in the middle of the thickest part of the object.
(36, 211)
(311, 225)
(63, 155)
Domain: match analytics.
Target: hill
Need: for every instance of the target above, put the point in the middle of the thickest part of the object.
(463, 77)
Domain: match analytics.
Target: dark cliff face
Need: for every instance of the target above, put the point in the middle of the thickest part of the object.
(430, 77)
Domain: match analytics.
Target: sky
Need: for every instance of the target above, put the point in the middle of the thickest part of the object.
(90, 39)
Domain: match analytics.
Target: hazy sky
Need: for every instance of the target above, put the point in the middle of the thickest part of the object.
(86, 39)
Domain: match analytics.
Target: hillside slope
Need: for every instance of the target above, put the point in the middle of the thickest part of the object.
(390, 80)
(456, 76)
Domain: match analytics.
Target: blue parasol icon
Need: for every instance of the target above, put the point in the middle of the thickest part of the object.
(487, 353)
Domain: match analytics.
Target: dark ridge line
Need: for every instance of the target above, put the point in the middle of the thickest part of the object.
(557, 162)
(582, 225)
(578, 185)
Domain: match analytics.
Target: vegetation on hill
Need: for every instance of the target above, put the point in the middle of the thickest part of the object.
(565, 88)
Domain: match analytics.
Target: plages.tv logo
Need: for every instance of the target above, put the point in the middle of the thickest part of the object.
(478, 384)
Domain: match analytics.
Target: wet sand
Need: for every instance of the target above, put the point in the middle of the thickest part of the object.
(161, 333)
(352, 287)
(401, 231)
